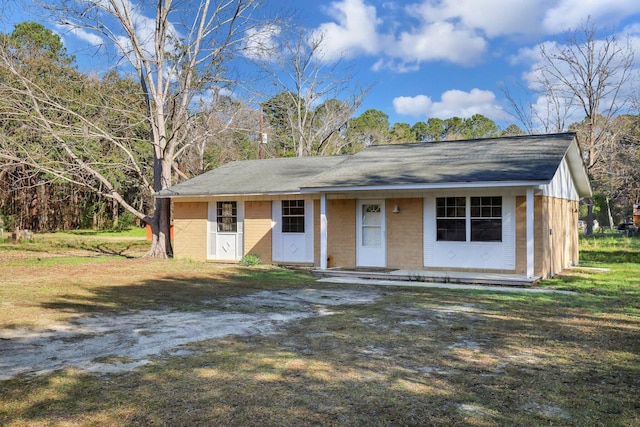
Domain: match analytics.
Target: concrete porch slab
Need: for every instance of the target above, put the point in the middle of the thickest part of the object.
(420, 276)
(380, 282)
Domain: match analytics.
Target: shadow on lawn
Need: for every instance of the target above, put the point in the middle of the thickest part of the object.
(181, 292)
(414, 358)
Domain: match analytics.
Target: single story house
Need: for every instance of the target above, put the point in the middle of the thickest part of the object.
(502, 205)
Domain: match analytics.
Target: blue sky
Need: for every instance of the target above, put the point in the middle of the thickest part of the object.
(444, 58)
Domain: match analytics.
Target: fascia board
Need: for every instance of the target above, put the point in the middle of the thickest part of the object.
(185, 196)
(443, 186)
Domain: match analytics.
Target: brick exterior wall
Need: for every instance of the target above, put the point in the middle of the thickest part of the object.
(405, 244)
(257, 229)
(341, 231)
(553, 251)
(190, 230)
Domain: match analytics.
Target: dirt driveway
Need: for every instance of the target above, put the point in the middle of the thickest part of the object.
(118, 343)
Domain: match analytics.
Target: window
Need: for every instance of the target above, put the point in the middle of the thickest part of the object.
(451, 219)
(293, 216)
(372, 225)
(486, 219)
(227, 213)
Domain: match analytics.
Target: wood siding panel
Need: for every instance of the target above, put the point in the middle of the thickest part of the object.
(562, 235)
(555, 234)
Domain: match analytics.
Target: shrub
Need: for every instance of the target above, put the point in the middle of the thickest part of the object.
(250, 260)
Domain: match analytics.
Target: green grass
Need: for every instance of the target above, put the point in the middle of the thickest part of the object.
(613, 249)
(77, 244)
(416, 356)
(130, 232)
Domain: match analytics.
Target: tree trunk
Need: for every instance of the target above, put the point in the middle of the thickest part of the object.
(115, 214)
(609, 214)
(589, 230)
(160, 229)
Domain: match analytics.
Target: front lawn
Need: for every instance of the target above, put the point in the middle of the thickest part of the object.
(413, 356)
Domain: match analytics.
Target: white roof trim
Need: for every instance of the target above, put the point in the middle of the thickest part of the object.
(209, 196)
(437, 186)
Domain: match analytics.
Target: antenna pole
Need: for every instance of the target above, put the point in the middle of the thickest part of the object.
(261, 136)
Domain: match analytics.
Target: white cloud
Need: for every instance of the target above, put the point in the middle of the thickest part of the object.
(491, 17)
(144, 27)
(453, 103)
(440, 41)
(571, 13)
(457, 31)
(412, 105)
(84, 35)
(353, 32)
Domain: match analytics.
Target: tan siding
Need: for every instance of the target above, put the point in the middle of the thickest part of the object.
(561, 249)
(190, 225)
(341, 231)
(404, 234)
(257, 229)
(552, 251)
(541, 222)
(540, 238)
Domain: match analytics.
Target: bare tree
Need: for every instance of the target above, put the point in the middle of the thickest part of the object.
(315, 98)
(178, 54)
(591, 74)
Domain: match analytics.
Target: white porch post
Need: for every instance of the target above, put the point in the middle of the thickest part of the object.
(323, 232)
(530, 230)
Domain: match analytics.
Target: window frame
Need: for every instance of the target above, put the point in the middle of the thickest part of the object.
(293, 216)
(226, 222)
(479, 216)
(485, 217)
(451, 212)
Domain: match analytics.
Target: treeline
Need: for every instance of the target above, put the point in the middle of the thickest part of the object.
(75, 149)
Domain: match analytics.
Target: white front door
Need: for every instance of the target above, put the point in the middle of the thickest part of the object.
(371, 234)
(293, 231)
(226, 220)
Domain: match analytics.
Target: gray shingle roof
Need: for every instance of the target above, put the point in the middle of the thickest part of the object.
(530, 158)
(498, 160)
(284, 175)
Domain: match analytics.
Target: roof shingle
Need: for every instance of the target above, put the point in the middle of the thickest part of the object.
(497, 160)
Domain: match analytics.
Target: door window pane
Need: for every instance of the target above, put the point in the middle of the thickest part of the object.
(371, 236)
(293, 216)
(372, 225)
(227, 213)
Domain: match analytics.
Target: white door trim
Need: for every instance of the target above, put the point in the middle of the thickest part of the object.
(292, 247)
(233, 241)
(371, 244)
